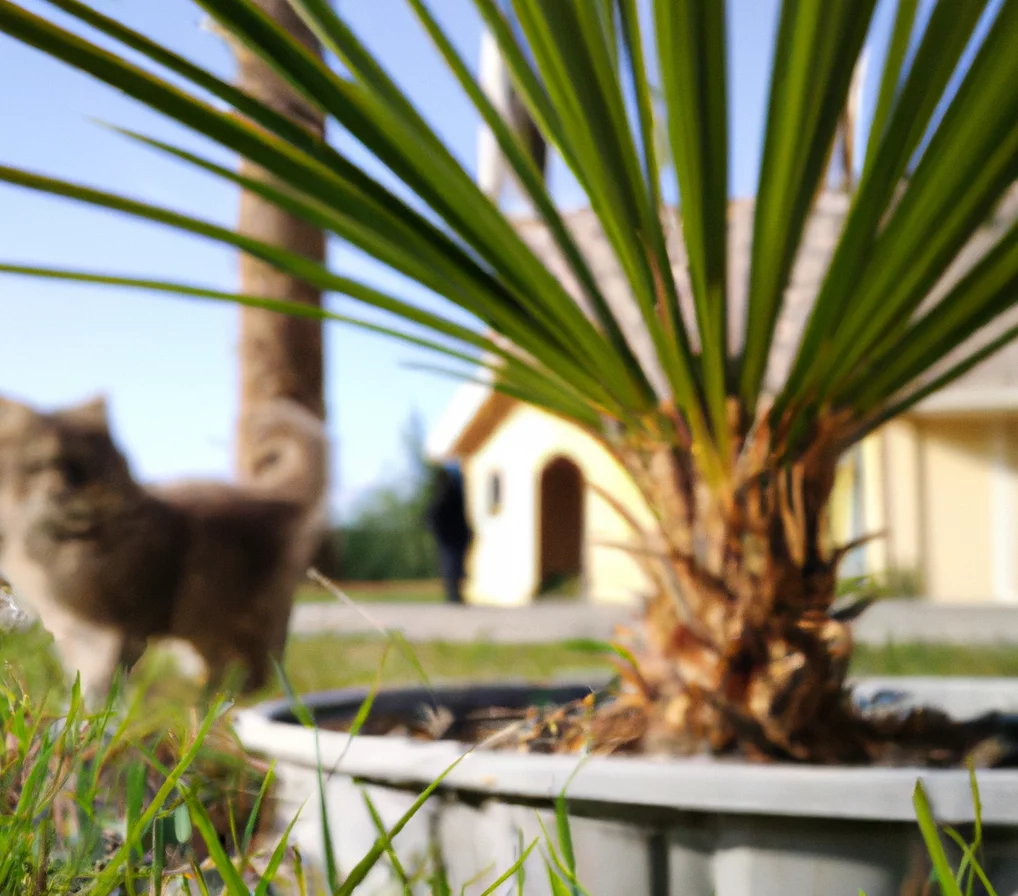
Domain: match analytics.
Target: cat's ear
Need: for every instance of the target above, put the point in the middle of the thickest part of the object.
(12, 414)
(92, 413)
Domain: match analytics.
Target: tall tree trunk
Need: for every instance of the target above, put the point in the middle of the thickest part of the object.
(280, 355)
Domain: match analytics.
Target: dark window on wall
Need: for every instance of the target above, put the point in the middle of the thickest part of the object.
(494, 493)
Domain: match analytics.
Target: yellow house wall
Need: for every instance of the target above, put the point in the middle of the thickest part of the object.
(900, 444)
(1005, 496)
(503, 564)
(943, 490)
(874, 507)
(841, 501)
(942, 493)
(956, 459)
(891, 499)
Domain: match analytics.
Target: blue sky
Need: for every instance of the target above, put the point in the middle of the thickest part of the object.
(168, 366)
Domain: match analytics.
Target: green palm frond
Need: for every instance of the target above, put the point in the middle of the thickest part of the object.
(941, 154)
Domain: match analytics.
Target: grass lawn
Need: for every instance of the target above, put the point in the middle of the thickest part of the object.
(427, 591)
(935, 659)
(331, 662)
(322, 663)
(430, 590)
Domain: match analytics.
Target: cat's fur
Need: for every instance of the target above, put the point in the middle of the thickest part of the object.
(107, 563)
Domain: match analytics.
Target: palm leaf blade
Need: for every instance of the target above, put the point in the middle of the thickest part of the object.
(816, 50)
(946, 36)
(691, 48)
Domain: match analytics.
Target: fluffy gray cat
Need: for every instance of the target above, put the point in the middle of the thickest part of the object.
(107, 564)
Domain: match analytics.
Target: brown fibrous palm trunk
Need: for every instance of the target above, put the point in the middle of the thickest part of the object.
(738, 648)
(737, 651)
(280, 355)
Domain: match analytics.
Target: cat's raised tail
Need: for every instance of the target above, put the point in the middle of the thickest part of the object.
(288, 452)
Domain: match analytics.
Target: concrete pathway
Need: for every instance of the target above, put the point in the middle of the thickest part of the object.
(903, 621)
(917, 621)
(535, 624)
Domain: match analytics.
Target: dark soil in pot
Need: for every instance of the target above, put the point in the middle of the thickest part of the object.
(562, 719)
(468, 715)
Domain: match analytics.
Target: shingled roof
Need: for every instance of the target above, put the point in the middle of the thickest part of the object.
(819, 242)
(994, 383)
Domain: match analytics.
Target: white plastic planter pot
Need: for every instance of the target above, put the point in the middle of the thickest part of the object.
(640, 826)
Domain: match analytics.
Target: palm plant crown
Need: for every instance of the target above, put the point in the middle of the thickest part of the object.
(740, 649)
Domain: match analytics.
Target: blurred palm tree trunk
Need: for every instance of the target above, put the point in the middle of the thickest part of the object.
(280, 355)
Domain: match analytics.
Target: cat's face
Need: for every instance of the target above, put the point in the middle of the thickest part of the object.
(60, 468)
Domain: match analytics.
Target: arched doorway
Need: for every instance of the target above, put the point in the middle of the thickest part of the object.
(561, 529)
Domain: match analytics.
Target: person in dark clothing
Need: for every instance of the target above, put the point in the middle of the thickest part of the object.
(447, 520)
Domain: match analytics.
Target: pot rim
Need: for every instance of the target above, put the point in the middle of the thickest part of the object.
(698, 784)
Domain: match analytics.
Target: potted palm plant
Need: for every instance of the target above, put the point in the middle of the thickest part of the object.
(739, 654)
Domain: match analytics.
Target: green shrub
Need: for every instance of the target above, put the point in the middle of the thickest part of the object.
(387, 538)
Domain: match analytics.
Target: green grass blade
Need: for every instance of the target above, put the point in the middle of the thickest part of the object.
(136, 778)
(477, 878)
(276, 859)
(438, 879)
(361, 869)
(592, 645)
(977, 806)
(565, 836)
(407, 650)
(364, 710)
(199, 879)
(566, 876)
(970, 862)
(107, 879)
(252, 822)
(158, 856)
(390, 853)
(965, 869)
(232, 880)
(521, 871)
(305, 717)
(393, 636)
(558, 886)
(516, 869)
(931, 836)
(298, 872)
